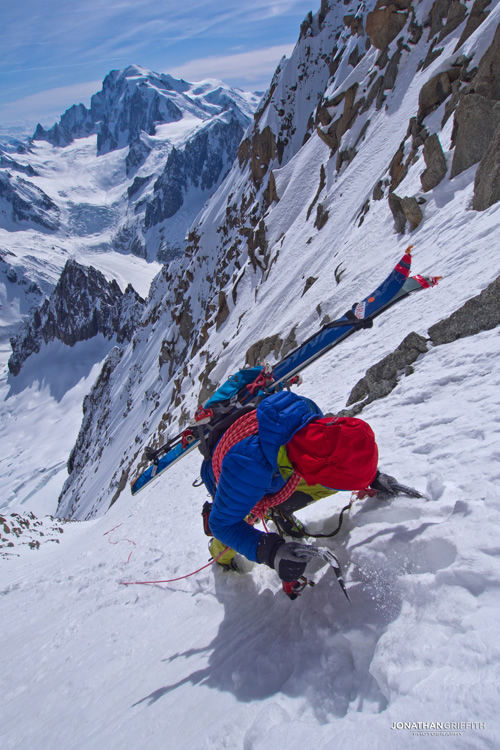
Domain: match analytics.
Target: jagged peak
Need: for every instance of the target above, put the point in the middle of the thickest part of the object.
(84, 303)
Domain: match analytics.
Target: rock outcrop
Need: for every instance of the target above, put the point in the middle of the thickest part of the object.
(480, 313)
(386, 21)
(383, 377)
(436, 91)
(24, 204)
(435, 161)
(478, 112)
(405, 210)
(476, 120)
(487, 180)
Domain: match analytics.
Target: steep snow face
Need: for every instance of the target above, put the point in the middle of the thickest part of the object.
(415, 651)
(285, 243)
(299, 231)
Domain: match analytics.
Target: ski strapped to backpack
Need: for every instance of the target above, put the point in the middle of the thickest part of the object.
(248, 386)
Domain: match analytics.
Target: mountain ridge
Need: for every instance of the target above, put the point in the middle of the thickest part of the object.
(97, 183)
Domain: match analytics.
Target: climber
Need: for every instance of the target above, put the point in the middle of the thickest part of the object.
(293, 439)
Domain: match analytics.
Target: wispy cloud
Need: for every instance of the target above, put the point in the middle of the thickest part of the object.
(61, 65)
(45, 46)
(90, 22)
(250, 66)
(50, 104)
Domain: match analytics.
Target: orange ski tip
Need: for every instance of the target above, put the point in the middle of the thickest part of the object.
(409, 249)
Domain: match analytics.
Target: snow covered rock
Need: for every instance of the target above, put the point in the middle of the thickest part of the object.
(76, 122)
(24, 204)
(10, 163)
(82, 305)
(17, 531)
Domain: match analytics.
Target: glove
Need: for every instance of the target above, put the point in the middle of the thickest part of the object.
(289, 559)
(385, 485)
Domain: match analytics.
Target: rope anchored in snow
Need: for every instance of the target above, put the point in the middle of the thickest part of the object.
(180, 578)
(120, 540)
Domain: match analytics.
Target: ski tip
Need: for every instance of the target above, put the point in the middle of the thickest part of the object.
(409, 249)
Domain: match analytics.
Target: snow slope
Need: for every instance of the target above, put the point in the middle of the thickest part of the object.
(183, 345)
(40, 414)
(219, 660)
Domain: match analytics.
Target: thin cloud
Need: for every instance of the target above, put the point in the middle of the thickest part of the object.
(88, 26)
(63, 66)
(249, 66)
(49, 105)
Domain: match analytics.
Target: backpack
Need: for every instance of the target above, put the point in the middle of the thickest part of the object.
(237, 386)
(238, 395)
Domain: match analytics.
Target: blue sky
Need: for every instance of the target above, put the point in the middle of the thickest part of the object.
(55, 53)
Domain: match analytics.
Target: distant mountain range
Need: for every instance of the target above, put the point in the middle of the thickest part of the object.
(127, 175)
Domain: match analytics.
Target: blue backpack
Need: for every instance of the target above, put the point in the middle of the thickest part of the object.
(230, 390)
(237, 396)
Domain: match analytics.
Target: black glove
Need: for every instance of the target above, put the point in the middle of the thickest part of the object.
(289, 559)
(385, 485)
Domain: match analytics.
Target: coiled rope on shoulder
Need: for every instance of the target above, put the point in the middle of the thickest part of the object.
(244, 427)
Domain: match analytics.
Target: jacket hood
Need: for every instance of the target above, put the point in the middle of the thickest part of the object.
(338, 452)
(280, 416)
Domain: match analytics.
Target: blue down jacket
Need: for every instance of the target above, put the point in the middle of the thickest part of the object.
(250, 469)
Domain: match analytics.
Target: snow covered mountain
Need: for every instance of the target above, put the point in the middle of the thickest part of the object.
(371, 132)
(128, 175)
(84, 304)
(178, 141)
(381, 130)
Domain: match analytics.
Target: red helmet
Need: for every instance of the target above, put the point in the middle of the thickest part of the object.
(338, 452)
